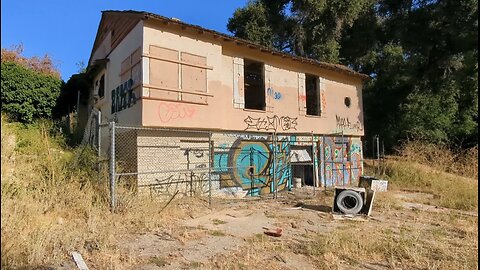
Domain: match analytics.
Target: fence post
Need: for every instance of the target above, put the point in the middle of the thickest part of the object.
(250, 171)
(112, 166)
(99, 142)
(210, 162)
(313, 166)
(274, 182)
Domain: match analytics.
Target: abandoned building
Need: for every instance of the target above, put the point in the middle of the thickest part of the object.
(266, 118)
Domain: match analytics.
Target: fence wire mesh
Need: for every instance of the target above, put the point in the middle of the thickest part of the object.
(223, 165)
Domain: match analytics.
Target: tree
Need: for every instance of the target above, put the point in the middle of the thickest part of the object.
(29, 87)
(421, 55)
(301, 27)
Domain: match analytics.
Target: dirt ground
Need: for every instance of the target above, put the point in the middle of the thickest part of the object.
(222, 236)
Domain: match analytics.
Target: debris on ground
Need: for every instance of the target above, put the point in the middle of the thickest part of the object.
(277, 232)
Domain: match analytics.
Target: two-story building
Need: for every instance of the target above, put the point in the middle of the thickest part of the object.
(153, 71)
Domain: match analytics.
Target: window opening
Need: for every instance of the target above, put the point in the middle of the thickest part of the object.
(348, 102)
(313, 95)
(101, 87)
(254, 85)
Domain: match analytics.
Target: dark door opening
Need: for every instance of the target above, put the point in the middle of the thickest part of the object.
(305, 172)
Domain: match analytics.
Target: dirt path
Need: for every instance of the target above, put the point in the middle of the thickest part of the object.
(214, 236)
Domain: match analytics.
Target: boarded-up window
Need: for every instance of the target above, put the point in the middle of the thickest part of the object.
(254, 85)
(164, 67)
(130, 68)
(194, 74)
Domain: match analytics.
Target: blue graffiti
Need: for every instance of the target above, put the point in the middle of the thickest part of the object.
(274, 94)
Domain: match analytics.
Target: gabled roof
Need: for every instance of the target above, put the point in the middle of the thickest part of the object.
(122, 22)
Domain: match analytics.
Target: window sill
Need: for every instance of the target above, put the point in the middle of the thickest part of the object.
(254, 110)
(313, 116)
(100, 101)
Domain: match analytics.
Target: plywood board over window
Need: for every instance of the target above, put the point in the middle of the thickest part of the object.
(164, 67)
(194, 76)
(130, 68)
(178, 76)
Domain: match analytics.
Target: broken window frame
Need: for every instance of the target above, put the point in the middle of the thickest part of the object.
(254, 88)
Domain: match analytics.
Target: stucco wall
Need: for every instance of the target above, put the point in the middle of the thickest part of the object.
(130, 115)
(283, 90)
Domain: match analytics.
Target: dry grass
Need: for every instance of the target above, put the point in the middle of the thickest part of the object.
(53, 203)
(448, 190)
(429, 241)
(462, 162)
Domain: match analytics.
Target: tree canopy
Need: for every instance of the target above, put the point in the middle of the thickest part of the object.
(421, 55)
(29, 86)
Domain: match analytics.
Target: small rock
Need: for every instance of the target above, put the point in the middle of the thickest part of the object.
(294, 225)
(60, 221)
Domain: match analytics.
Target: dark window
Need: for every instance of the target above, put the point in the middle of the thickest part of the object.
(101, 87)
(313, 95)
(254, 85)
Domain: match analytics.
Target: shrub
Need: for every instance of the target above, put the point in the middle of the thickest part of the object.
(26, 93)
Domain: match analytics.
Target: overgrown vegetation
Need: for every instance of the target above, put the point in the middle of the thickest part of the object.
(54, 202)
(448, 190)
(421, 55)
(29, 89)
(441, 157)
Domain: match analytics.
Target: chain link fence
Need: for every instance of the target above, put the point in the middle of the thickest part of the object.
(218, 165)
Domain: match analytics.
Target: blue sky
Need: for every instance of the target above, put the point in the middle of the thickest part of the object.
(66, 30)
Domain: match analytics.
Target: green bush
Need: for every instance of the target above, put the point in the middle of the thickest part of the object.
(27, 94)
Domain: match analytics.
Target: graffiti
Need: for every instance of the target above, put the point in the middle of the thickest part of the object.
(246, 136)
(324, 101)
(252, 166)
(196, 157)
(184, 183)
(344, 123)
(342, 161)
(302, 98)
(274, 94)
(123, 97)
(168, 112)
(273, 123)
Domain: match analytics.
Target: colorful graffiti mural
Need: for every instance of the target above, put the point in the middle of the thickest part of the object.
(259, 166)
(342, 160)
(252, 165)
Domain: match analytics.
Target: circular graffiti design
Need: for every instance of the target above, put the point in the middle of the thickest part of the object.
(251, 160)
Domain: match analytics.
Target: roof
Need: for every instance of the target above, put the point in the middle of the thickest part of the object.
(142, 15)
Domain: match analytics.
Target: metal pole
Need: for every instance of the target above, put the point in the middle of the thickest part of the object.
(99, 143)
(210, 157)
(343, 159)
(78, 105)
(313, 166)
(324, 164)
(373, 151)
(112, 166)
(378, 153)
(250, 170)
(274, 183)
